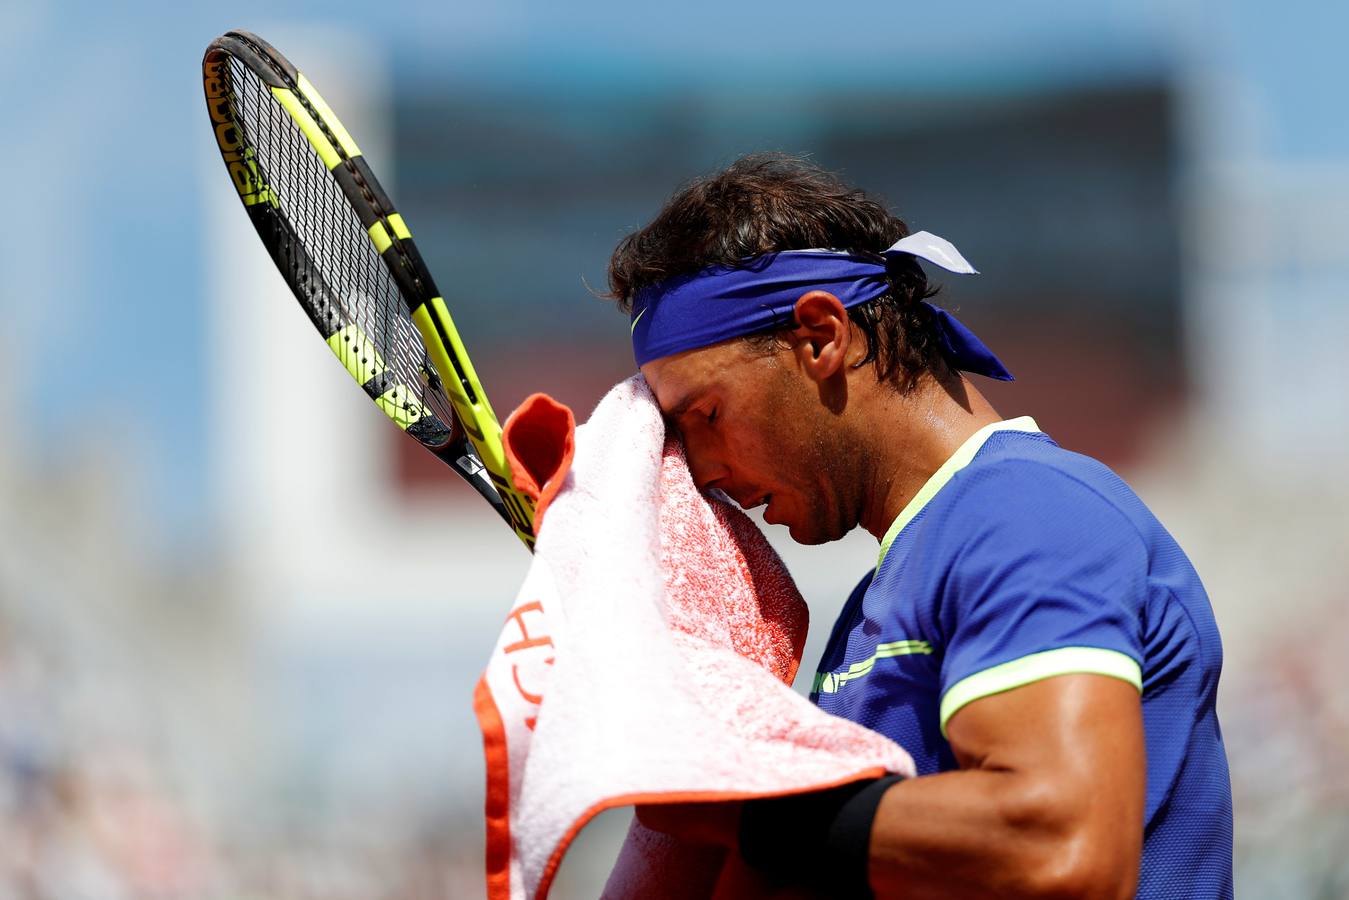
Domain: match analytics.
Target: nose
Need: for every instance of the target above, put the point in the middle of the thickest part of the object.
(707, 469)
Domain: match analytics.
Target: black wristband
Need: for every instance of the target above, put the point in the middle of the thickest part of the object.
(821, 839)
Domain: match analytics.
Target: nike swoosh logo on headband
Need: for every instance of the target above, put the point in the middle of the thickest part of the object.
(634, 321)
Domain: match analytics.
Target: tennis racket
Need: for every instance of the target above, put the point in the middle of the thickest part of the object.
(350, 261)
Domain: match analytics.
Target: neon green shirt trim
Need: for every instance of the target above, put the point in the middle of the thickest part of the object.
(830, 682)
(959, 460)
(1037, 667)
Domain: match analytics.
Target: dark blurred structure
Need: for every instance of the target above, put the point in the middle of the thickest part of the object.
(1063, 198)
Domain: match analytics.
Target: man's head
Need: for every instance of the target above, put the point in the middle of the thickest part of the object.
(770, 202)
(775, 415)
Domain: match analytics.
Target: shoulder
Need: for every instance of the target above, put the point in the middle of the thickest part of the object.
(1015, 530)
(1018, 461)
(1021, 514)
(1024, 487)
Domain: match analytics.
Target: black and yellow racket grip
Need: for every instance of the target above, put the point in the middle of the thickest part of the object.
(476, 417)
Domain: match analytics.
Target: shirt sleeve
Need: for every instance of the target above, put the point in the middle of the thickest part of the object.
(1046, 577)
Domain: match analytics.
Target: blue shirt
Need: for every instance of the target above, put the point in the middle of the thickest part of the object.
(1019, 561)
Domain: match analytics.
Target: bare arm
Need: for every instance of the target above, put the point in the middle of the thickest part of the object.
(1048, 800)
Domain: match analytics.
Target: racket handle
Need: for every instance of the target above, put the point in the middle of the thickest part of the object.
(476, 417)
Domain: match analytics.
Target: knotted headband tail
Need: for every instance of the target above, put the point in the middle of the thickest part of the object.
(723, 302)
(963, 349)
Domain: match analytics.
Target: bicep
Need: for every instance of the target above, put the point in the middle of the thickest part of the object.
(1075, 743)
(1048, 800)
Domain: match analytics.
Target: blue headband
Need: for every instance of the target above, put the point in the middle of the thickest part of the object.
(688, 312)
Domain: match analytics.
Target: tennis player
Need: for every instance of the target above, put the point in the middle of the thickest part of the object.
(1031, 634)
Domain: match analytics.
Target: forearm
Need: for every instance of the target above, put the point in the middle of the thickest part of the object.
(1044, 806)
(972, 833)
(963, 834)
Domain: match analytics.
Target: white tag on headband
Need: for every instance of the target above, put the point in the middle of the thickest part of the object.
(936, 250)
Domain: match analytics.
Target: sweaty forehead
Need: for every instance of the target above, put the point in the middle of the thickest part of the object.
(681, 380)
(675, 388)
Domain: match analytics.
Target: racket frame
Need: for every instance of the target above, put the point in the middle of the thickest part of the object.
(485, 466)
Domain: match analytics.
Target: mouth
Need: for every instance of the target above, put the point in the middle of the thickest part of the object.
(749, 504)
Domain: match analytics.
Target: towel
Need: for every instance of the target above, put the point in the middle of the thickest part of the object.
(647, 659)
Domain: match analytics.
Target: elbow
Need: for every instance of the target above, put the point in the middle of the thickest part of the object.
(1069, 852)
(1078, 870)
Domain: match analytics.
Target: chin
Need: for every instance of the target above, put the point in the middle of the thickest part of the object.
(809, 529)
(811, 536)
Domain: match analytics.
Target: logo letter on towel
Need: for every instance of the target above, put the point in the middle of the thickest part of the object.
(527, 642)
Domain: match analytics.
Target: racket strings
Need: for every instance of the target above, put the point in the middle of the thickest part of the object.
(340, 276)
(357, 178)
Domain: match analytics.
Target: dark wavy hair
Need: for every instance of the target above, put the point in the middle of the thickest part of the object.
(769, 202)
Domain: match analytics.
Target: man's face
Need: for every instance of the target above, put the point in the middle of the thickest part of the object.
(754, 427)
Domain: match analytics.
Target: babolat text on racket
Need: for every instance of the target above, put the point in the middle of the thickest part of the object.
(349, 258)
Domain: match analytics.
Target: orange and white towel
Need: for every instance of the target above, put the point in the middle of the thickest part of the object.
(647, 659)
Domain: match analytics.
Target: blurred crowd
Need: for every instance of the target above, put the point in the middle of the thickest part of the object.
(1288, 742)
(84, 818)
(78, 820)
(104, 795)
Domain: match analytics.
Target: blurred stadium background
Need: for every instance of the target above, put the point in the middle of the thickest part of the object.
(240, 617)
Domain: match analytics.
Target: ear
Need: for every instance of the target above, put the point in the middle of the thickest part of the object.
(822, 334)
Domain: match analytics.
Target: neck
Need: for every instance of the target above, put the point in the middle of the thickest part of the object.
(927, 426)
